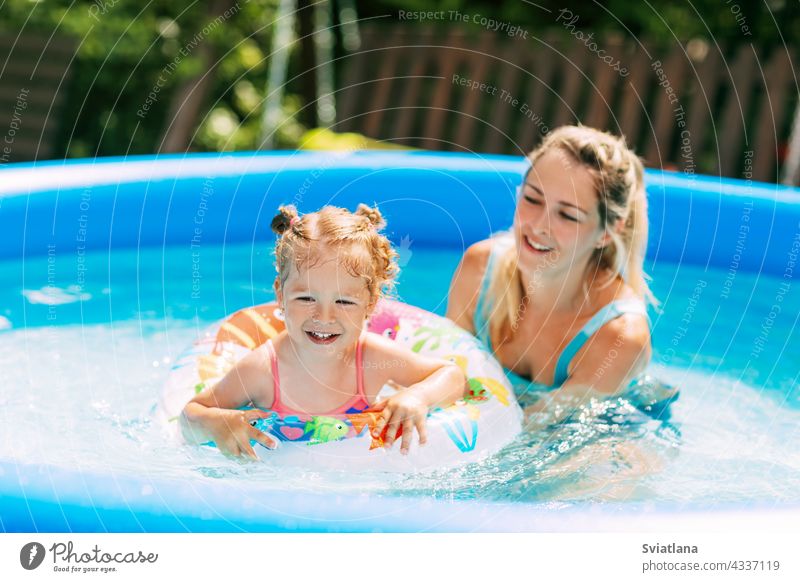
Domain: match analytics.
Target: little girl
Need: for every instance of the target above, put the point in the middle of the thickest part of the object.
(333, 266)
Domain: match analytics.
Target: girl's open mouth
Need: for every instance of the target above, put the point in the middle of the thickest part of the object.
(322, 338)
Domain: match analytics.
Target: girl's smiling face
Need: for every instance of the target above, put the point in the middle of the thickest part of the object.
(557, 222)
(324, 304)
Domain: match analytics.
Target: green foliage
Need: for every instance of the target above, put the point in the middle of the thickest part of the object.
(325, 139)
(125, 49)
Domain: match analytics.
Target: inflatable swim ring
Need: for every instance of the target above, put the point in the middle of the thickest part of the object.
(486, 420)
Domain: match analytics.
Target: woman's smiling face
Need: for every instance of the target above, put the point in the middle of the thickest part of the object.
(557, 222)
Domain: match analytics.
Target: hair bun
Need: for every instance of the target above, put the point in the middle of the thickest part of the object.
(283, 220)
(372, 214)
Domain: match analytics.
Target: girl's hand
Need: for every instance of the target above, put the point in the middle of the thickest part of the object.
(405, 410)
(232, 432)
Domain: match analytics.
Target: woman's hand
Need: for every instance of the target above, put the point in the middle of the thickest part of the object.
(231, 430)
(401, 414)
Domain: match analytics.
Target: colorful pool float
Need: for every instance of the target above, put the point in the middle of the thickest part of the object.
(483, 422)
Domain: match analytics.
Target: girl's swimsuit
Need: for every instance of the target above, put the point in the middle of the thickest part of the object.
(358, 403)
(523, 385)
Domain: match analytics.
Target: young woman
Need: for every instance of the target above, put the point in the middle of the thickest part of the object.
(561, 298)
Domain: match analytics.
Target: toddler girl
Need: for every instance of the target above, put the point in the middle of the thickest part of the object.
(333, 266)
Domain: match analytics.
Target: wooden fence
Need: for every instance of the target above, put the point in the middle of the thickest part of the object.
(34, 76)
(693, 108)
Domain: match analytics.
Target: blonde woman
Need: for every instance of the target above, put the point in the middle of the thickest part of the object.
(561, 298)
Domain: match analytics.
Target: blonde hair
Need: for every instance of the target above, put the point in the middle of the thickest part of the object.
(299, 239)
(619, 183)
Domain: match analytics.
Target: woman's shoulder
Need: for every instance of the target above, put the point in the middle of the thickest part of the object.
(477, 255)
(620, 347)
(465, 288)
(631, 303)
(468, 284)
(628, 322)
(604, 292)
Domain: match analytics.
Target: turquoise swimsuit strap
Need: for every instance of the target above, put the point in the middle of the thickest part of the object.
(598, 320)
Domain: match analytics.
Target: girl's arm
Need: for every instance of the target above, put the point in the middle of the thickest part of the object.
(618, 352)
(423, 383)
(466, 284)
(212, 415)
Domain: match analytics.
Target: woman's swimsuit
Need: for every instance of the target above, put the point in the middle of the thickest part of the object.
(523, 385)
(358, 403)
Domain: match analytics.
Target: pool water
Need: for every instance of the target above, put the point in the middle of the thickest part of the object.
(88, 340)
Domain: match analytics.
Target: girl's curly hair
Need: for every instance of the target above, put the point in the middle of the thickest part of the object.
(365, 252)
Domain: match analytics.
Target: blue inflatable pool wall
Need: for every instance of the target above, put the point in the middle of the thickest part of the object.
(437, 200)
(442, 200)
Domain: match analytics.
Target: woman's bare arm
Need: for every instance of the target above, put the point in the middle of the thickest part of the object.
(466, 284)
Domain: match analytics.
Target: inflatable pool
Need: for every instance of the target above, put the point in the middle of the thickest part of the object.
(482, 423)
(152, 223)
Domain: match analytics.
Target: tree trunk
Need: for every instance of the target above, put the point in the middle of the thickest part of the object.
(190, 97)
(791, 165)
(308, 74)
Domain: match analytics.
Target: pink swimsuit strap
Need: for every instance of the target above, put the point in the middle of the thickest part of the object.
(359, 400)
